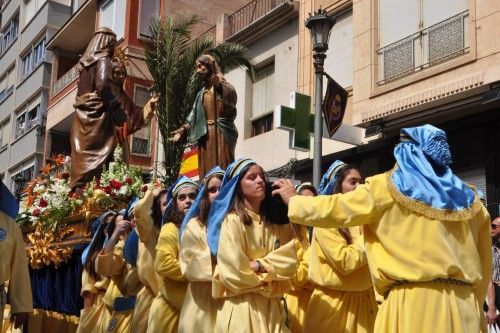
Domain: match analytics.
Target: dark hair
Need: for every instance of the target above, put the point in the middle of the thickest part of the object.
(156, 214)
(238, 206)
(337, 188)
(204, 202)
(172, 215)
(95, 248)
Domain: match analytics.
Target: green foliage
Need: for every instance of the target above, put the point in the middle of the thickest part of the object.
(171, 57)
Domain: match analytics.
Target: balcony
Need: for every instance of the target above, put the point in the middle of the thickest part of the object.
(257, 12)
(65, 80)
(431, 46)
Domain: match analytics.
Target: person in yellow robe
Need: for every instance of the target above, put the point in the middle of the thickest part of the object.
(15, 287)
(426, 236)
(256, 256)
(344, 300)
(95, 314)
(124, 283)
(297, 299)
(199, 309)
(166, 307)
(145, 215)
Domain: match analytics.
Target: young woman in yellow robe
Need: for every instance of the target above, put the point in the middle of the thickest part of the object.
(297, 299)
(124, 283)
(426, 235)
(344, 300)
(147, 216)
(166, 307)
(199, 309)
(95, 315)
(256, 258)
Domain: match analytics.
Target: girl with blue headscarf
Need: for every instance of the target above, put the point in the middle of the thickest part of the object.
(166, 307)
(95, 315)
(199, 308)
(256, 257)
(344, 300)
(111, 262)
(426, 236)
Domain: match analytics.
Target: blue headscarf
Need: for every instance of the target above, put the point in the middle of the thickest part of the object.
(224, 200)
(97, 227)
(330, 178)
(423, 172)
(8, 202)
(131, 246)
(173, 190)
(195, 207)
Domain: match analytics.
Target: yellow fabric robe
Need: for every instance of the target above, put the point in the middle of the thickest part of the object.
(166, 307)
(148, 236)
(94, 319)
(252, 301)
(199, 309)
(403, 245)
(297, 299)
(13, 268)
(344, 300)
(124, 282)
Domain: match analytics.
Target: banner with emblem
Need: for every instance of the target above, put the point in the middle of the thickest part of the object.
(334, 105)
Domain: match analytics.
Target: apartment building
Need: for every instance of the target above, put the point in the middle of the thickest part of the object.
(25, 68)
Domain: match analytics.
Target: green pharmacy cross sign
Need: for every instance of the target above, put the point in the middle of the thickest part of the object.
(297, 119)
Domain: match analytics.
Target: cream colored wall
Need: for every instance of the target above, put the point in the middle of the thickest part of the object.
(270, 149)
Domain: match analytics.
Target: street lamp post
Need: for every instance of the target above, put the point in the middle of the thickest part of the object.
(320, 25)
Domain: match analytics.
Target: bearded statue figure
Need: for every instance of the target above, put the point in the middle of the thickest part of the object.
(211, 121)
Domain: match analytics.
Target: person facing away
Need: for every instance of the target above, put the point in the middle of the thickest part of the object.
(15, 286)
(426, 236)
(199, 309)
(256, 256)
(344, 300)
(211, 121)
(97, 111)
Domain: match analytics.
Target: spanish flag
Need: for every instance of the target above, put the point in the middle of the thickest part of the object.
(189, 164)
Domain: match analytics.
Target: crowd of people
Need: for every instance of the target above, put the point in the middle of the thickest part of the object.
(408, 250)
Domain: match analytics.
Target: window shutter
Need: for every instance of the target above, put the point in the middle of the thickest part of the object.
(338, 62)
(397, 19)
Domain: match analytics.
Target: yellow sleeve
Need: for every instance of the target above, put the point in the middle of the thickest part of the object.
(19, 293)
(87, 284)
(195, 259)
(485, 255)
(167, 253)
(302, 274)
(281, 264)
(358, 207)
(144, 222)
(344, 258)
(112, 263)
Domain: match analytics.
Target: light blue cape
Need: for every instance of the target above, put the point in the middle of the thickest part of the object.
(223, 201)
(195, 207)
(423, 170)
(330, 178)
(97, 227)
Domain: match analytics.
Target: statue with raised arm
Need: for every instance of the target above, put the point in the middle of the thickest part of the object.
(211, 121)
(100, 109)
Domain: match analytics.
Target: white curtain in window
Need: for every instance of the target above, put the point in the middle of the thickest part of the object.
(338, 62)
(148, 12)
(398, 19)
(107, 14)
(436, 11)
(263, 92)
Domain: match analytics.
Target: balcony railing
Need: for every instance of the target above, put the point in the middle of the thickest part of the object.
(249, 14)
(65, 80)
(431, 46)
(209, 33)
